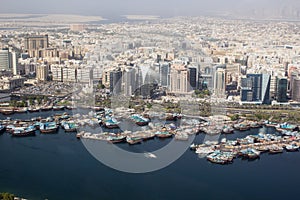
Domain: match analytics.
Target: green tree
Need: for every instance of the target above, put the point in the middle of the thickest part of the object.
(7, 196)
(234, 117)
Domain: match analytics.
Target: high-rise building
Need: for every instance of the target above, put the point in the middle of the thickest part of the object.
(193, 77)
(281, 90)
(8, 61)
(255, 88)
(14, 62)
(219, 82)
(293, 75)
(273, 86)
(115, 81)
(164, 74)
(42, 72)
(4, 60)
(296, 89)
(129, 81)
(179, 80)
(34, 44)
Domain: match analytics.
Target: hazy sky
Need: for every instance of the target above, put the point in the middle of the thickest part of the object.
(151, 7)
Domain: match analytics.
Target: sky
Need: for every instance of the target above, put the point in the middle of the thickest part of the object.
(151, 7)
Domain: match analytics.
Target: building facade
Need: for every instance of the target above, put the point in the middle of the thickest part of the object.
(281, 90)
(255, 88)
(35, 44)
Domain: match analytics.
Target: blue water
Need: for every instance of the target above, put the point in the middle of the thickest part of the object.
(59, 167)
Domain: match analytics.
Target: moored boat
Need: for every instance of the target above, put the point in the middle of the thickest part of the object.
(31, 109)
(71, 107)
(275, 150)
(228, 130)
(133, 139)
(163, 134)
(116, 139)
(250, 153)
(140, 120)
(111, 123)
(292, 148)
(58, 107)
(69, 127)
(21, 110)
(148, 136)
(181, 136)
(7, 111)
(2, 129)
(48, 127)
(286, 127)
(23, 131)
(46, 108)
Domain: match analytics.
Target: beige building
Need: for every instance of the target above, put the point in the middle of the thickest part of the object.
(36, 44)
(10, 83)
(179, 80)
(42, 72)
(219, 83)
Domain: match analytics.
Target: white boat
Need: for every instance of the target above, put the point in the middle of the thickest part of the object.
(150, 155)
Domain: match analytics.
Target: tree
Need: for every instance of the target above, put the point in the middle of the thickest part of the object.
(234, 117)
(6, 196)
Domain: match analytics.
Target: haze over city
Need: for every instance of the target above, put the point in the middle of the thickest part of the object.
(287, 9)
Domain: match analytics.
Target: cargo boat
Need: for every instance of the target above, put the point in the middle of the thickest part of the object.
(163, 134)
(139, 120)
(133, 139)
(7, 111)
(48, 127)
(116, 139)
(111, 123)
(69, 127)
(58, 107)
(23, 131)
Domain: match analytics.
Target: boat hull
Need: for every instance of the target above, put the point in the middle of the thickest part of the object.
(164, 135)
(29, 133)
(134, 141)
(48, 131)
(111, 126)
(7, 112)
(142, 123)
(2, 130)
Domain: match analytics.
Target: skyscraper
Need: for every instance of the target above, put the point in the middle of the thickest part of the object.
(4, 60)
(255, 88)
(8, 61)
(14, 62)
(296, 89)
(129, 81)
(193, 77)
(179, 80)
(115, 81)
(281, 89)
(164, 74)
(219, 82)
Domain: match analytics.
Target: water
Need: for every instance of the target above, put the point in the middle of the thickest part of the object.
(59, 167)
